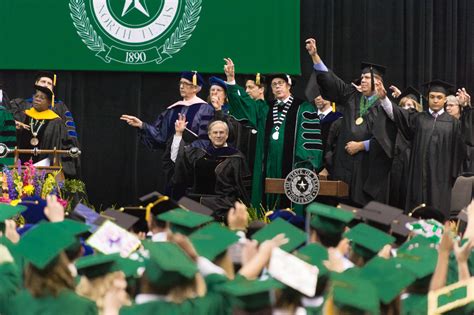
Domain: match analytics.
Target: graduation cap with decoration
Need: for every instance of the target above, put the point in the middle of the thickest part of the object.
(184, 221)
(458, 296)
(381, 272)
(43, 243)
(439, 86)
(194, 77)
(168, 264)
(251, 295)
(367, 241)
(212, 240)
(330, 220)
(372, 68)
(295, 236)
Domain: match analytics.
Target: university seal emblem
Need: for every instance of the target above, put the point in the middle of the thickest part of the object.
(135, 32)
(301, 186)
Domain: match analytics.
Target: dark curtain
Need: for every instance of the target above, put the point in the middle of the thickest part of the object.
(417, 40)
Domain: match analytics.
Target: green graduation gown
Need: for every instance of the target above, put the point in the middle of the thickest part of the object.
(299, 141)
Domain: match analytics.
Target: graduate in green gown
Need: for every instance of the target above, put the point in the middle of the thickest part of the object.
(289, 132)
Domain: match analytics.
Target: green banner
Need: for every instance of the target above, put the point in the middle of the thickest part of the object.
(150, 35)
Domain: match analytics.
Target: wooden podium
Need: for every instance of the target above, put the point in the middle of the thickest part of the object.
(334, 188)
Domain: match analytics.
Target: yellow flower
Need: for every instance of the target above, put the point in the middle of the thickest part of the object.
(28, 190)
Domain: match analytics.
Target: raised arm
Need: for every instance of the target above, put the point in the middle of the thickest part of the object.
(241, 105)
(331, 86)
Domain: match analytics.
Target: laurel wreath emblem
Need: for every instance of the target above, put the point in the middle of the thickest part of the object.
(172, 44)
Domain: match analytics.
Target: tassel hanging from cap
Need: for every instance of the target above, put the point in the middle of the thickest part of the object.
(257, 79)
(333, 104)
(54, 85)
(289, 79)
(195, 78)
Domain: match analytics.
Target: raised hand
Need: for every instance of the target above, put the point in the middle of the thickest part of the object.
(132, 121)
(463, 97)
(462, 253)
(380, 90)
(229, 69)
(238, 217)
(54, 211)
(395, 91)
(216, 102)
(180, 124)
(10, 231)
(311, 46)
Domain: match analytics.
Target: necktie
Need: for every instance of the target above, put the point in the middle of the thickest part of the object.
(321, 116)
(435, 115)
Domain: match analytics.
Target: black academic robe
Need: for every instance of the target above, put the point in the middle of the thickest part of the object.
(51, 135)
(366, 173)
(467, 126)
(436, 157)
(399, 172)
(18, 106)
(209, 171)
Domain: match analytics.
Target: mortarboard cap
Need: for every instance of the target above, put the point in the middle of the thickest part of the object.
(43, 243)
(258, 78)
(45, 74)
(329, 219)
(295, 236)
(168, 264)
(73, 227)
(93, 266)
(418, 241)
(381, 271)
(34, 212)
(398, 226)
(439, 86)
(458, 296)
(251, 294)
(217, 81)
(427, 212)
(314, 254)
(421, 261)
(380, 213)
(7, 212)
(122, 219)
(412, 93)
(377, 69)
(288, 216)
(212, 240)
(354, 210)
(88, 214)
(354, 293)
(285, 77)
(191, 205)
(194, 77)
(367, 241)
(184, 221)
(45, 90)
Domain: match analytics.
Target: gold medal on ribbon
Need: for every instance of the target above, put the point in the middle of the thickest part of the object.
(359, 121)
(34, 141)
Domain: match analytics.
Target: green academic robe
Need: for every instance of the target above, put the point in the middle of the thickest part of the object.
(299, 140)
(67, 302)
(9, 284)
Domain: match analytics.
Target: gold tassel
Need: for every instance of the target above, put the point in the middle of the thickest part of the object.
(52, 102)
(333, 107)
(257, 79)
(54, 85)
(195, 78)
(54, 80)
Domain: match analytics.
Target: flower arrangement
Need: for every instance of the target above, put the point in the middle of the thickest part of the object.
(27, 181)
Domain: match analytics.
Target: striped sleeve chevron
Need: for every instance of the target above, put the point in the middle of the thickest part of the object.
(309, 144)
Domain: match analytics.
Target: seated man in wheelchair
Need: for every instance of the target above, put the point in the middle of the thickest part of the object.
(209, 170)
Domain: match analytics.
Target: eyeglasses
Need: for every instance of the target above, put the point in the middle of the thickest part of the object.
(185, 84)
(278, 83)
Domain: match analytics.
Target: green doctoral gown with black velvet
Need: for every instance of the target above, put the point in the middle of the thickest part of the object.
(299, 143)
